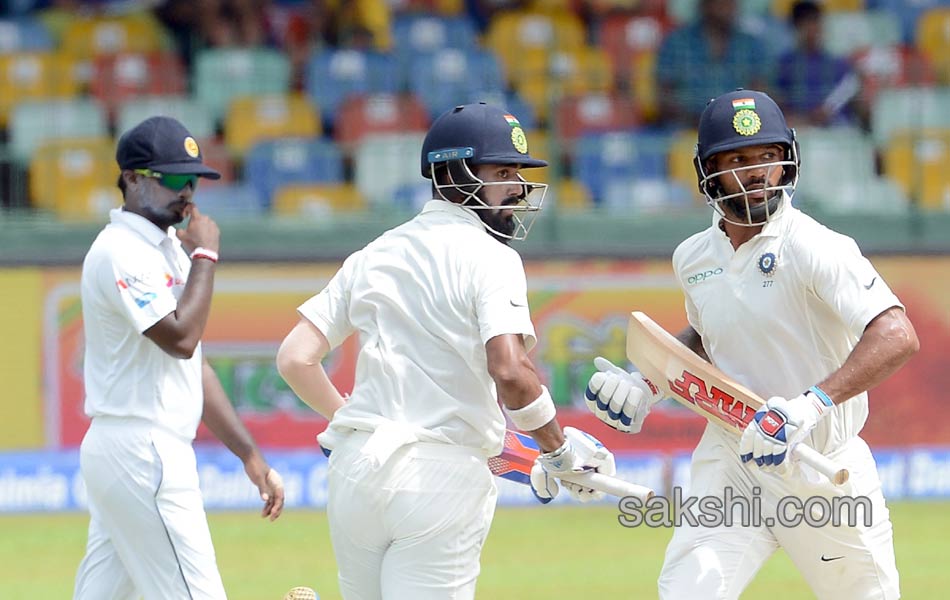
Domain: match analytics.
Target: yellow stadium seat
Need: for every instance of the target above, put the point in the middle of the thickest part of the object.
(512, 33)
(89, 37)
(917, 161)
(933, 39)
(539, 146)
(643, 86)
(35, 76)
(680, 161)
(543, 77)
(571, 195)
(317, 199)
(251, 119)
(76, 179)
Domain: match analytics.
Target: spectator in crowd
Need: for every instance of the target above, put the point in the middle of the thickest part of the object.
(702, 60)
(815, 87)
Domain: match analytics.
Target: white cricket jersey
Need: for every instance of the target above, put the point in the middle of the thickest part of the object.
(424, 298)
(785, 310)
(132, 277)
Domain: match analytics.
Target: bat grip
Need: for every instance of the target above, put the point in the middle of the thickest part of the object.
(609, 485)
(821, 463)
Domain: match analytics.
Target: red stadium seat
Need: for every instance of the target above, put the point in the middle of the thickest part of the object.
(626, 37)
(892, 67)
(577, 115)
(361, 116)
(118, 77)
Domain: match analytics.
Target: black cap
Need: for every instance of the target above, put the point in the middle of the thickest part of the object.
(162, 144)
(481, 133)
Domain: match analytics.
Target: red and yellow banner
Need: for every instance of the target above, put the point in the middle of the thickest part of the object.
(580, 311)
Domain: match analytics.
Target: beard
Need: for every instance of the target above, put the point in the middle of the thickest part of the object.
(163, 218)
(754, 213)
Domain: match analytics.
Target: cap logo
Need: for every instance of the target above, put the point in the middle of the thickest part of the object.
(746, 122)
(518, 140)
(191, 147)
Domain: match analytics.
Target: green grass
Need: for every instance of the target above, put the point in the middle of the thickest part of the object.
(531, 554)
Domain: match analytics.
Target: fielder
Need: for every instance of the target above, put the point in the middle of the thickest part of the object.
(441, 310)
(793, 311)
(146, 295)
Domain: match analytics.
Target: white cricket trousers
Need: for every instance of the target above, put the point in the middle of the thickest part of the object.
(148, 533)
(412, 529)
(839, 563)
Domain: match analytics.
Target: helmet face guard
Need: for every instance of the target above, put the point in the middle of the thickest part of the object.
(468, 187)
(470, 135)
(745, 211)
(741, 119)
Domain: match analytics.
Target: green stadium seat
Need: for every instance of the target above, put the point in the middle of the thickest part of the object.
(222, 74)
(397, 155)
(195, 117)
(32, 123)
(909, 109)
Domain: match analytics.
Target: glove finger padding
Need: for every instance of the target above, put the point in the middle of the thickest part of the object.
(590, 455)
(544, 486)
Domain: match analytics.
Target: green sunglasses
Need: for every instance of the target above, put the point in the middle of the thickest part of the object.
(174, 181)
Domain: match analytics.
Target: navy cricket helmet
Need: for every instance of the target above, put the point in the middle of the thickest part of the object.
(735, 120)
(470, 135)
(482, 134)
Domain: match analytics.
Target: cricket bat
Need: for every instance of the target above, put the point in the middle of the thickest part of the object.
(517, 458)
(703, 388)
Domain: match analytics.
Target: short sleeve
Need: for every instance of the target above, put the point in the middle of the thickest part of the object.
(848, 283)
(141, 288)
(501, 298)
(329, 310)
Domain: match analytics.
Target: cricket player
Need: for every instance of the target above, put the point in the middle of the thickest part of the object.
(793, 311)
(146, 295)
(441, 310)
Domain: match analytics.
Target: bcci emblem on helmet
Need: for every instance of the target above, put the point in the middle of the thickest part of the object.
(746, 122)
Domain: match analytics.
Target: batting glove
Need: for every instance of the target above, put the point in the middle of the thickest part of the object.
(580, 452)
(620, 399)
(779, 425)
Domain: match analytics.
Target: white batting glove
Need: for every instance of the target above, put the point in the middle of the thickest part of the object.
(620, 399)
(580, 452)
(778, 426)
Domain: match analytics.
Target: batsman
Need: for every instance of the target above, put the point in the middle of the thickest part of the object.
(793, 311)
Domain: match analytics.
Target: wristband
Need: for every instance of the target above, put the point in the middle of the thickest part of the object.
(200, 252)
(821, 396)
(535, 415)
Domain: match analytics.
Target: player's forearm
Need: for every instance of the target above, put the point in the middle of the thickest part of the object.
(299, 363)
(221, 418)
(194, 306)
(888, 342)
(312, 385)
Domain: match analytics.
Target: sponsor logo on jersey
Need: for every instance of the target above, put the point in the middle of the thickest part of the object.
(701, 277)
(144, 300)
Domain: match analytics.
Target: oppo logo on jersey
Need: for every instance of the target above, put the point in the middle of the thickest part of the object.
(701, 277)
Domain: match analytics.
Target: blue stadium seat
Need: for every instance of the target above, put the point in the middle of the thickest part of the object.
(605, 162)
(274, 163)
(24, 35)
(333, 75)
(452, 77)
(420, 33)
(229, 201)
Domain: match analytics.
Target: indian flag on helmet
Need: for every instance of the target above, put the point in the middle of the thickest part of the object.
(512, 121)
(743, 103)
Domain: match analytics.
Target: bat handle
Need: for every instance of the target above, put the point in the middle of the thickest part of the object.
(610, 485)
(821, 463)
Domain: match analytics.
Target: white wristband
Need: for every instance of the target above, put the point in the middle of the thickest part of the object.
(535, 415)
(200, 252)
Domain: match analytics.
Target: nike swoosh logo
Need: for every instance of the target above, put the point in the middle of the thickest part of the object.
(518, 305)
(829, 558)
(870, 285)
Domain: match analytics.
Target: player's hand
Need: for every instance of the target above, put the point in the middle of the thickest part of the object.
(269, 483)
(778, 426)
(580, 452)
(201, 232)
(621, 400)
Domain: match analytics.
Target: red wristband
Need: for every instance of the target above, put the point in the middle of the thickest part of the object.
(200, 252)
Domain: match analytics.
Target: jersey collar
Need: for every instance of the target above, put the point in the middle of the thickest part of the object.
(444, 206)
(139, 225)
